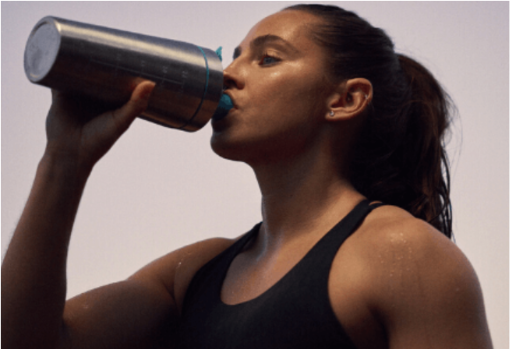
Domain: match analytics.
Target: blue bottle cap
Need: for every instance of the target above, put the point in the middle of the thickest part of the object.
(223, 107)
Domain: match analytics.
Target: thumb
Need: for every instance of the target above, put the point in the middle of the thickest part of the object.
(136, 105)
(140, 97)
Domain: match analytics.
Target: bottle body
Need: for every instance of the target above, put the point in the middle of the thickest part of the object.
(106, 64)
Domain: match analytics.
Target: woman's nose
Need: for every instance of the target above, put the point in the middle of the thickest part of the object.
(232, 77)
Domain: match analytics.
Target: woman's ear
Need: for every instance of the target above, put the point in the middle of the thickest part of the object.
(350, 100)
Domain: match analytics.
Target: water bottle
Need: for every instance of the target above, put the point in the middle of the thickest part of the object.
(106, 64)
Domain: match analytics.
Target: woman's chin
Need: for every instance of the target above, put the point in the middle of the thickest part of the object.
(226, 148)
(238, 148)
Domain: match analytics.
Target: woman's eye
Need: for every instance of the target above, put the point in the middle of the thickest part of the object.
(266, 59)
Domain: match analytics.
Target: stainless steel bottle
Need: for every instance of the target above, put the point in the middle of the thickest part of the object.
(106, 64)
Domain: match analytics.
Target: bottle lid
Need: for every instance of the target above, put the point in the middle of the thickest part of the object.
(223, 107)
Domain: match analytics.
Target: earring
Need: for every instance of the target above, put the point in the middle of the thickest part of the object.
(332, 113)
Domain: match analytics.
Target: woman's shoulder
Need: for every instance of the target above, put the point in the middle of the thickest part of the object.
(391, 223)
(409, 279)
(394, 252)
(412, 276)
(399, 239)
(392, 242)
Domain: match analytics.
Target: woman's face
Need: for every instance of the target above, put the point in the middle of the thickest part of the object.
(278, 84)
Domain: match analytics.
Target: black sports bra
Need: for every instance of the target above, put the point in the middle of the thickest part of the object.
(294, 313)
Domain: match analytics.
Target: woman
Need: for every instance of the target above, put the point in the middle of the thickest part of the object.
(328, 116)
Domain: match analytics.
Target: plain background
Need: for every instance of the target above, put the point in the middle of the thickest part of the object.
(159, 189)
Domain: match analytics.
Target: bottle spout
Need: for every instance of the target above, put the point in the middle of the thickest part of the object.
(223, 107)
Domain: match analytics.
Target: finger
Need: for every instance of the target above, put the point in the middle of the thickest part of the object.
(58, 101)
(136, 105)
(139, 98)
(62, 99)
(55, 95)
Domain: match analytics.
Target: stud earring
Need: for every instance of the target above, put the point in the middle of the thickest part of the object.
(332, 113)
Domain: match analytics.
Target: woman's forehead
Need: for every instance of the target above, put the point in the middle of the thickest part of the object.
(290, 25)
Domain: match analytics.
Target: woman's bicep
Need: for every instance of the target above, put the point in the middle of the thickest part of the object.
(127, 314)
(142, 311)
(138, 312)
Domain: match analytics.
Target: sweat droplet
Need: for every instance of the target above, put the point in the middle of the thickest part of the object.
(223, 107)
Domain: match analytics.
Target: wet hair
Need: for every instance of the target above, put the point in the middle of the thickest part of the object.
(399, 157)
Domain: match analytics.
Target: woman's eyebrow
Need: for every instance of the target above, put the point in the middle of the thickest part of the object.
(263, 40)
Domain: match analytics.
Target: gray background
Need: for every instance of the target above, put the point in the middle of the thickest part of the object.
(159, 189)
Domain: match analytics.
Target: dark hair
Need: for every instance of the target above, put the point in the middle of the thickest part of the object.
(399, 157)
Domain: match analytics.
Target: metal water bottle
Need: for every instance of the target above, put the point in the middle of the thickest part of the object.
(106, 64)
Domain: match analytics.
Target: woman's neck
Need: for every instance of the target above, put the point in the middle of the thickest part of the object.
(303, 195)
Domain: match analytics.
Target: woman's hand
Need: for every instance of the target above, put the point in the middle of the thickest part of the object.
(78, 130)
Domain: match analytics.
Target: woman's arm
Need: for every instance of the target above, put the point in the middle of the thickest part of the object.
(426, 291)
(140, 312)
(34, 267)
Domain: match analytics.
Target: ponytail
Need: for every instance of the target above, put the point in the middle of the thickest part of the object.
(399, 157)
(424, 153)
